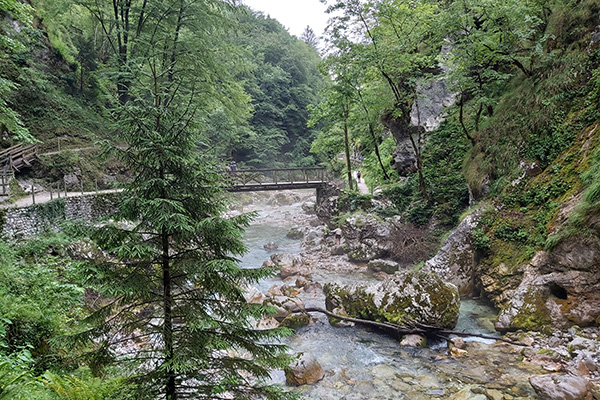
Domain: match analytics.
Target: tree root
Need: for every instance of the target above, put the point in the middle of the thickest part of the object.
(409, 327)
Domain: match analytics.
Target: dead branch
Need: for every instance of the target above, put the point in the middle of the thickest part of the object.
(409, 327)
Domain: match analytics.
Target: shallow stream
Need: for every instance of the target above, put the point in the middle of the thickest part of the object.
(363, 364)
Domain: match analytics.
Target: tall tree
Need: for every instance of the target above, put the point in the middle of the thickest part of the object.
(309, 37)
(175, 315)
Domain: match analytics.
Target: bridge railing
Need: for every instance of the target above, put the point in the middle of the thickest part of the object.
(278, 176)
(17, 156)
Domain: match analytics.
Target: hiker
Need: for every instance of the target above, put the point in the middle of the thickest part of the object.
(358, 176)
(338, 235)
(232, 168)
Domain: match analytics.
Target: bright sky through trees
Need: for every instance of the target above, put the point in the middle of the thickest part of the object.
(294, 14)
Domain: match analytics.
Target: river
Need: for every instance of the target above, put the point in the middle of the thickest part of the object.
(362, 364)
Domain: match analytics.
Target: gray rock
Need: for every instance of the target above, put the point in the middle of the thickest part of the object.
(72, 181)
(387, 266)
(295, 233)
(433, 97)
(413, 341)
(419, 296)
(284, 305)
(367, 237)
(455, 261)
(561, 387)
(309, 207)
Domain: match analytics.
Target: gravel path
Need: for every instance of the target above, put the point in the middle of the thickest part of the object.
(44, 197)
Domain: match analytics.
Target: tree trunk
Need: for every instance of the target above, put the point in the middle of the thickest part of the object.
(376, 145)
(170, 387)
(347, 145)
(411, 327)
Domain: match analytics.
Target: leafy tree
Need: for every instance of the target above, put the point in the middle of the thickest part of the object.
(390, 41)
(490, 41)
(174, 316)
(283, 80)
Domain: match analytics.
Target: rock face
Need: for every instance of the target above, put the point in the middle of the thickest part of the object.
(367, 237)
(561, 387)
(305, 370)
(455, 261)
(560, 288)
(433, 97)
(420, 296)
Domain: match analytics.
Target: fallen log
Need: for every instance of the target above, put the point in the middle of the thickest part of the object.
(409, 327)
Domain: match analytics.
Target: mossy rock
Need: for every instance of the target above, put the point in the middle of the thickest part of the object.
(296, 321)
(418, 296)
(295, 233)
(529, 313)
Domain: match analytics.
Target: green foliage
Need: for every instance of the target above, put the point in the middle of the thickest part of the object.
(353, 201)
(480, 239)
(11, 45)
(173, 289)
(283, 81)
(30, 276)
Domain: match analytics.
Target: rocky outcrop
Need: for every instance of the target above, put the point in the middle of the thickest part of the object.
(419, 296)
(367, 237)
(327, 200)
(305, 370)
(560, 288)
(455, 261)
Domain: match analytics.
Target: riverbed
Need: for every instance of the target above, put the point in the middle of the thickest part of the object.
(360, 363)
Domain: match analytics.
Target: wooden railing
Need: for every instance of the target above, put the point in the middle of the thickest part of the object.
(278, 176)
(16, 157)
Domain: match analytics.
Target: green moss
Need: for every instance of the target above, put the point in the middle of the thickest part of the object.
(533, 316)
(295, 321)
(442, 298)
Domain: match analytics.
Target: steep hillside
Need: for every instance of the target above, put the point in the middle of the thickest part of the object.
(519, 144)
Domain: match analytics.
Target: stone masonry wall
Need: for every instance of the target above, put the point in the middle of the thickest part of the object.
(24, 222)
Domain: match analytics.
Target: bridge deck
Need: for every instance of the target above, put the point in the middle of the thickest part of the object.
(277, 179)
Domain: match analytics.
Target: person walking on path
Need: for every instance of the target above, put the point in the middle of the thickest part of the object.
(358, 176)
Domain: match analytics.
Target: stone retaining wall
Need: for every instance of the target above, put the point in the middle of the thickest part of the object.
(28, 221)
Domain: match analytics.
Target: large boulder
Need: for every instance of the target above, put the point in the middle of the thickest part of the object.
(367, 237)
(305, 370)
(561, 387)
(559, 288)
(419, 296)
(455, 261)
(387, 266)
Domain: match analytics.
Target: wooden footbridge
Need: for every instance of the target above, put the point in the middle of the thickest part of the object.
(13, 159)
(254, 180)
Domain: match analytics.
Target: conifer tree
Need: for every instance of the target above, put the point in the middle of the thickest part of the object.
(175, 318)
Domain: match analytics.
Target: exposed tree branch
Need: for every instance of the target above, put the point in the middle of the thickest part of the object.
(410, 327)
